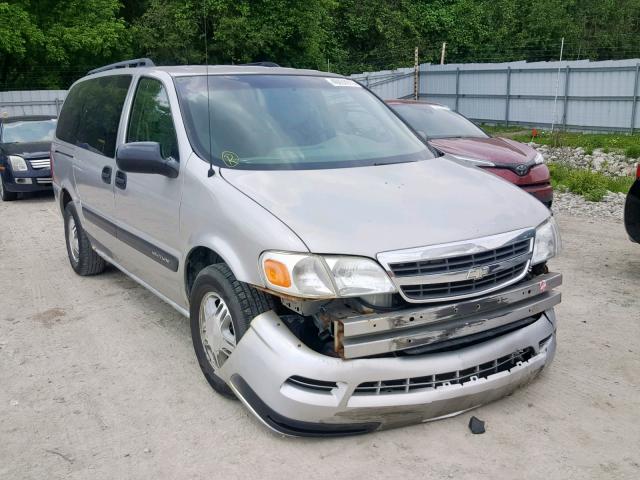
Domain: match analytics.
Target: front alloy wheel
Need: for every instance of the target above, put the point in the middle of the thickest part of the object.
(216, 329)
(221, 309)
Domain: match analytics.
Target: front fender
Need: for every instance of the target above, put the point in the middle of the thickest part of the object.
(220, 217)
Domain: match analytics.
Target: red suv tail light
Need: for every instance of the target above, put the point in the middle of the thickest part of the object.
(638, 171)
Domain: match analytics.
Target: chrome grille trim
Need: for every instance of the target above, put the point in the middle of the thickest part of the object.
(445, 272)
(40, 163)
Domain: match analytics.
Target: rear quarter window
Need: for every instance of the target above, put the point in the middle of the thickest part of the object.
(91, 113)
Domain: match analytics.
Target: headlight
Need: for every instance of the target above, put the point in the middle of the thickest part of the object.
(538, 159)
(474, 161)
(547, 243)
(17, 163)
(314, 276)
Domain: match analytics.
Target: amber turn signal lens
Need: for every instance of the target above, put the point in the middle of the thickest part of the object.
(277, 273)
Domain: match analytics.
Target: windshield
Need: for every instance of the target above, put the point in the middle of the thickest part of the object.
(26, 131)
(292, 122)
(437, 121)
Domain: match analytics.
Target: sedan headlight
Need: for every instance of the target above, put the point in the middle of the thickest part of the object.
(315, 276)
(539, 159)
(17, 163)
(474, 161)
(547, 242)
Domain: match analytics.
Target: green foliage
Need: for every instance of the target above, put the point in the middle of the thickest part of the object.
(593, 186)
(50, 43)
(627, 144)
(632, 151)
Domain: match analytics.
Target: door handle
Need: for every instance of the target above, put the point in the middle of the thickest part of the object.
(121, 180)
(106, 175)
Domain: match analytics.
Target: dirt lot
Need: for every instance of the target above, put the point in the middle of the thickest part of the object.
(98, 380)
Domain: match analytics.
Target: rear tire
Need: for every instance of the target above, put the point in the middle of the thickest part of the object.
(221, 310)
(83, 258)
(6, 195)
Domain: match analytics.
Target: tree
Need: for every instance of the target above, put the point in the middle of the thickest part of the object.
(58, 41)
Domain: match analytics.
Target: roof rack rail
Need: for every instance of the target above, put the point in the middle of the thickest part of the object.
(136, 62)
(260, 64)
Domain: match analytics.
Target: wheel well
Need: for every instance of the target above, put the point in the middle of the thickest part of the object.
(199, 258)
(64, 199)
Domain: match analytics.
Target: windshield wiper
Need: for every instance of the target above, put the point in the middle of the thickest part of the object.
(378, 164)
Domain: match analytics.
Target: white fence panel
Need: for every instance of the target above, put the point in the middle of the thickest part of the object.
(578, 95)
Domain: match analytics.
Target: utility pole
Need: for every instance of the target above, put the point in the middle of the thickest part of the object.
(416, 75)
(555, 100)
(444, 50)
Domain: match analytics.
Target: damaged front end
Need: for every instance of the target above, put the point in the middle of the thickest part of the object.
(468, 323)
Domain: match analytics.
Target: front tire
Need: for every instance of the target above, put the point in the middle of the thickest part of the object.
(6, 195)
(83, 258)
(221, 310)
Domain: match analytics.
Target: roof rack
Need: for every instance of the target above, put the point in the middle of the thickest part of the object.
(136, 62)
(260, 64)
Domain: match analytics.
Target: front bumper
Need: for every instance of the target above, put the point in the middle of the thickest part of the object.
(29, 181)
(268, 355)
(543, 192)
(537, 181)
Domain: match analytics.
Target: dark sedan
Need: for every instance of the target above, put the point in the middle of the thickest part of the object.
(453, 134)
(632, 210)
(25, 164)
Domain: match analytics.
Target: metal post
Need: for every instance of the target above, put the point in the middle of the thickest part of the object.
(634, 106)
(457, 86)
(555, 99)
(57, 107)
(416, 76)
(566, 98)
(506, 113)
(442, 54)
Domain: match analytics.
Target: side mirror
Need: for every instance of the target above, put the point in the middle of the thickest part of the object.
(145, 157)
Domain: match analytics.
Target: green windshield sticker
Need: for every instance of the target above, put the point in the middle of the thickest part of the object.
(230, 158)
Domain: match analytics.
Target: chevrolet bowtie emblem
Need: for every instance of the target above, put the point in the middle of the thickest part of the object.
(477, 273)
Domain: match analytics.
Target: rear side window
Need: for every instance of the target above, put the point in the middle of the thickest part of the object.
(91, 114)
(151, 120)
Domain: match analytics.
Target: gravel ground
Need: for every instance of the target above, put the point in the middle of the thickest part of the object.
(98, 380)
(611, 206)
(608, 163)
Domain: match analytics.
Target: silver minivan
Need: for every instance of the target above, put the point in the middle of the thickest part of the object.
(339, 277)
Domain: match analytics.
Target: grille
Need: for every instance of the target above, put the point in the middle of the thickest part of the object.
(465, 287)
(463, 262)
(40, 163)
(311, 384)
(484, 370)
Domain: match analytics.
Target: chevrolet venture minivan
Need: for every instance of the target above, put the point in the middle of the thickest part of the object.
(339, 277)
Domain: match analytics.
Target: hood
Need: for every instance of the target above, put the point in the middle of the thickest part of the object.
(27, 150)
(498, 150)
(367, 210)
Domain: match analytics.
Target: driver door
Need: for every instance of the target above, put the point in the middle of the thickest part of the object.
(147, 206)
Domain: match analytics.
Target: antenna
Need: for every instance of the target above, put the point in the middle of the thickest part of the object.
(211, 171)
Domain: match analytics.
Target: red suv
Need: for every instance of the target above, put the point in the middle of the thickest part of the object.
(453, 134)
